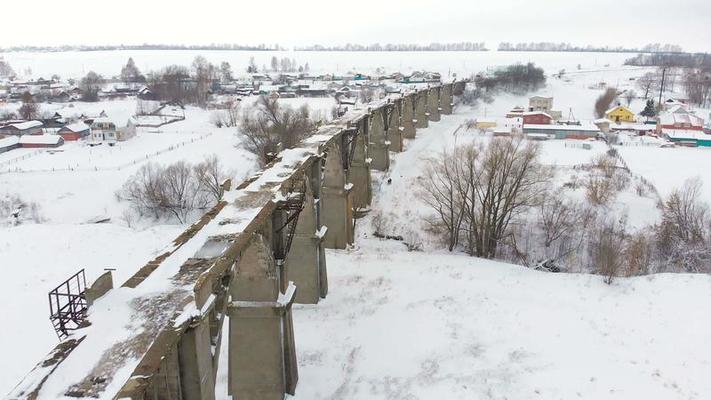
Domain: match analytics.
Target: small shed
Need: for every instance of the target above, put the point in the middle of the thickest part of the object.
(41, 141)
(22, 128)
(73, 132)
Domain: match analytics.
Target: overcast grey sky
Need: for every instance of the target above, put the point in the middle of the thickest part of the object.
(289, 23)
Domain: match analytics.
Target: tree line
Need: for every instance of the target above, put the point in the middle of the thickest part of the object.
(567, 47)
(223, 46)
(460, 46)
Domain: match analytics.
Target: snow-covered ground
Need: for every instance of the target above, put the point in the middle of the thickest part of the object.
(411, 325)
(109, 63)
(396, 325)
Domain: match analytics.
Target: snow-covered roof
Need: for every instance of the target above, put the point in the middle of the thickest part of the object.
(633, 127)
(623, 108)
(76, 127)
(581, 128)
(26, 125)
(9, 141)
(686, 134)
(40, 139)
(678, 109)
(529, 113)
(676, 118)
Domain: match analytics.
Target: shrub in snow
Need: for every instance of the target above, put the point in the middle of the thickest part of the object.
(683, 236)
(14, 210)
(268, 126)
(176, 190)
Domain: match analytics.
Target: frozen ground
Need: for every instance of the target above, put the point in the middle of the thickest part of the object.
(408, 325)
(396, 325)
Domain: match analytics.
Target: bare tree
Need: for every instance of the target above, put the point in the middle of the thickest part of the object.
(603, 103)
(630, 95)
(607, 248)
(211, 177)
(130, 72)
(683, 234)
(482, 189)
(268, 126)
(563, 224)
(227, 117)
(639, 251)
(443, 190)
(173, 191)
(90, 85)
(649, 83)
(29, 109)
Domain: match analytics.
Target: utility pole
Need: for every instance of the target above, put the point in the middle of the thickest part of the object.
(661, 88)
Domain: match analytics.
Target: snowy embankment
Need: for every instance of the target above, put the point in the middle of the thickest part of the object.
(412, 325)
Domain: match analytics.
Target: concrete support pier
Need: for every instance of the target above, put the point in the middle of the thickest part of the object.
(394, 133)
(359, 172)
(304, 265)
(407, 111)
(421, 110)
(433, 104)
(262, 355)
(446, 99)
(378, 146)
(197, 376)
(335, 204)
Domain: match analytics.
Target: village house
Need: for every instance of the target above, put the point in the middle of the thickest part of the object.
(680, 119)
(544, 104)
(515, 112)
(22, 128)
(620, 114)
(536, 118)
(684, 128)
(104, 129)
(540, 103)
(514, 125)
(75, 131)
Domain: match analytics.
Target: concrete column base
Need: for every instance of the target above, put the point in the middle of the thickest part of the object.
(262, 356)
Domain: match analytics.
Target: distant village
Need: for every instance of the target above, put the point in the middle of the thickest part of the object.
(152, 110)
(675, 123)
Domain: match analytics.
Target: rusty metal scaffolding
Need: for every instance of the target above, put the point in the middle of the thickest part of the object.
(67, 305)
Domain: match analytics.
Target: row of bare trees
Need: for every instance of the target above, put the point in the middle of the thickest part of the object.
(477, 191)
(498, 201)
(174, 191)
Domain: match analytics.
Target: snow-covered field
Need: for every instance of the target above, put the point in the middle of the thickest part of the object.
(410, 325)
(108, 63)
(396, 325)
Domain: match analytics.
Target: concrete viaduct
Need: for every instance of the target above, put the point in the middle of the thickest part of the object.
(250, 258)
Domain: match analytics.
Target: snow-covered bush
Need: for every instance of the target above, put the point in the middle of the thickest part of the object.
(683, 236)
(177, 190)
(14, 210)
